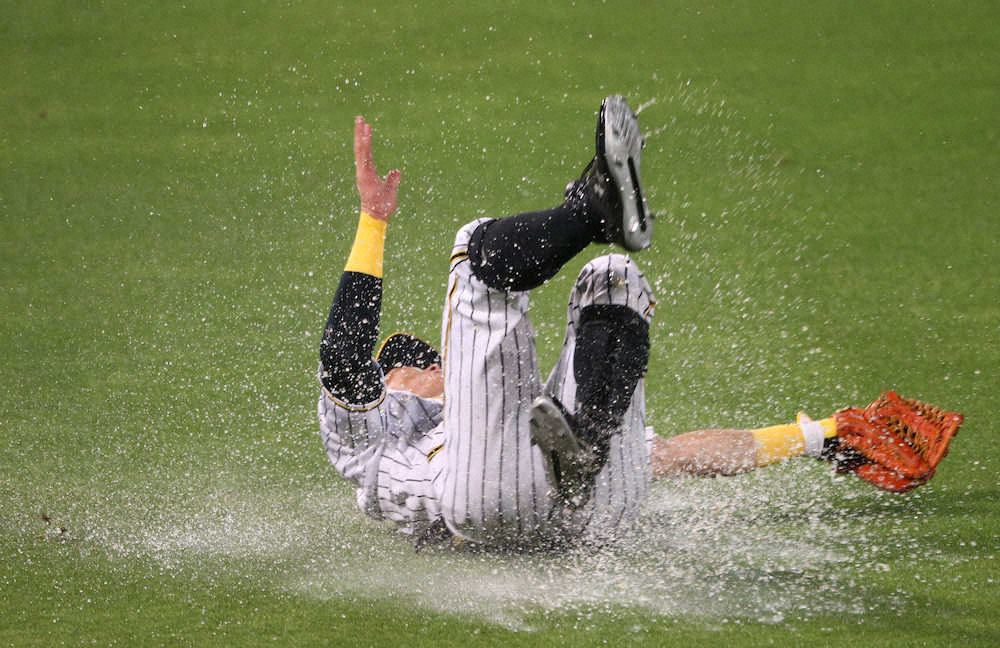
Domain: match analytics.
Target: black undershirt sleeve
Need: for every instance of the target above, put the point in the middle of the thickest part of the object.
(349, 372)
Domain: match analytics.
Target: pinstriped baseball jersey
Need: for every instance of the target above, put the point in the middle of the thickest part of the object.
(469, 460)
(385, 448)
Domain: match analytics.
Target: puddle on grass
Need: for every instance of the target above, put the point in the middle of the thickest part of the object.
(746, 549)
(767, 548)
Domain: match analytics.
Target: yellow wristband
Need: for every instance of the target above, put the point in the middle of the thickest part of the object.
(778, 442)
(369, 246)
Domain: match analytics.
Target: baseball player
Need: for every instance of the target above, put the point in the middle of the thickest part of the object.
(469, 439)
(471, 436)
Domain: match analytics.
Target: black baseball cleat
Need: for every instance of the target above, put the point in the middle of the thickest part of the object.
(610, 182)
(570, 465)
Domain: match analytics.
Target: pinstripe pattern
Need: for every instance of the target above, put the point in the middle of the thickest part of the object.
(386, 447)
(494, 482)
(488, 482)
(623, 483)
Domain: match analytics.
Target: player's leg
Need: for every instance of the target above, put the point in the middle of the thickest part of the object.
(606, 204)
(598, 382)
(523, 251)
(492, 488)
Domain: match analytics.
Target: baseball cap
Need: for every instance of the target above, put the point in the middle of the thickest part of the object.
(405, 350)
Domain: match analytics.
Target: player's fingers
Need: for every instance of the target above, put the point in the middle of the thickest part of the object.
(359, 123)
(362, 144)
(392, 180)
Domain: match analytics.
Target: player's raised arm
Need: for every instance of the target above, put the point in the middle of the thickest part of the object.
(378, 202)
(350, 375)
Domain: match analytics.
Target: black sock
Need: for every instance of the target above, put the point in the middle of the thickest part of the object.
(521, 252)
(612, 352)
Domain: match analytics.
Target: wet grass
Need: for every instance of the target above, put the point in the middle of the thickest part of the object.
(176, 203)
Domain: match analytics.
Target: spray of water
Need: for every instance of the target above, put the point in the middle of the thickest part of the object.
(766, 547)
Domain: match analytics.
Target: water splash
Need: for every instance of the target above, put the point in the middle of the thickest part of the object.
(766, 547)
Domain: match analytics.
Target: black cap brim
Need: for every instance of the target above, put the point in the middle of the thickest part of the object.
(405, 350)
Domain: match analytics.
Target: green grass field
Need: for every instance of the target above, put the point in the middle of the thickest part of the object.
(177, 201)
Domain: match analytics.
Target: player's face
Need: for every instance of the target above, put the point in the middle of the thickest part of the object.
(426, 383)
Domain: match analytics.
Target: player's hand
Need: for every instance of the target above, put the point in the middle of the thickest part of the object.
(378, 195)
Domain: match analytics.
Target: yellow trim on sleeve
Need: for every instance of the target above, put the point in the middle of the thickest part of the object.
(369, 247)
(433, 453)
(363, 407)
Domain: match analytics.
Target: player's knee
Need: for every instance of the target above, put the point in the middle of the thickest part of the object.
(614, 279)
(612, 269)
(465, 232)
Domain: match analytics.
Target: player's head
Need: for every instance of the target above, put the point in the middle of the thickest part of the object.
(412, 365)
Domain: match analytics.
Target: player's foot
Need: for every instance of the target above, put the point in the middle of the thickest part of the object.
(571, 467)
(619, 151)
(611, 182)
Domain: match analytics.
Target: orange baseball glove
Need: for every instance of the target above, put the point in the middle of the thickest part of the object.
(895, 443)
